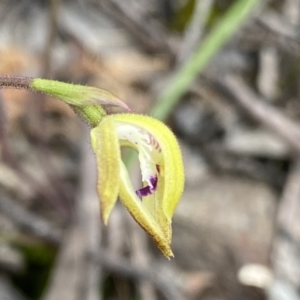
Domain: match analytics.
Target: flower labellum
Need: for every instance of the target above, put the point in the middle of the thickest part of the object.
(153, 205)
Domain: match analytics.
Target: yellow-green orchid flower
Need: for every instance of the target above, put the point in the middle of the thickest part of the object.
(161, 167)
(153, 205)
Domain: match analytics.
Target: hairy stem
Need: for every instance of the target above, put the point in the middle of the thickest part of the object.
(16, 82)
(91, 114)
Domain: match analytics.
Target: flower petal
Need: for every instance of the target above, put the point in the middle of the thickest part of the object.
(172, 168)
(153, 203)
(162, 203)
(140, 214)
(106, 146)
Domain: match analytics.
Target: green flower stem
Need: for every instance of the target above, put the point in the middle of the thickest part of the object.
(73, 95)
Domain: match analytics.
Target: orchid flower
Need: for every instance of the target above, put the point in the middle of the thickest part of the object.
(152, 206)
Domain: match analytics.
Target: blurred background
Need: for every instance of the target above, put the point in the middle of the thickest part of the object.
(224, 75)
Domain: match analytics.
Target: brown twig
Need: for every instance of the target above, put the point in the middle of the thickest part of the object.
(24, 83)
(161, 281)
(52, 34)
(67, 275)
(195, 29)
(290, 202)
(29, 222)
(291, 10)
(279, 25)
(6, 155)
(75, 277)
(286, 241)
(35, 114)
(260, 110)
(16, 82)
(152, 36)
(89, 214)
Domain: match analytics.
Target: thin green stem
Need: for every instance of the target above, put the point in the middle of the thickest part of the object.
(219, 35)
(91, 114)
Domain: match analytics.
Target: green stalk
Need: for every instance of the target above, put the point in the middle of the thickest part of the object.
(88, 102)
(219, 35)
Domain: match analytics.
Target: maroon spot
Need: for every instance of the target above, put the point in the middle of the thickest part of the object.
(149, 189)
(158, 169)
(145, 191)
(153, 181)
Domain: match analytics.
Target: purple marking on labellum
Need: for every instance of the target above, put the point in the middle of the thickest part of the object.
(153, 183)
(149, 189)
